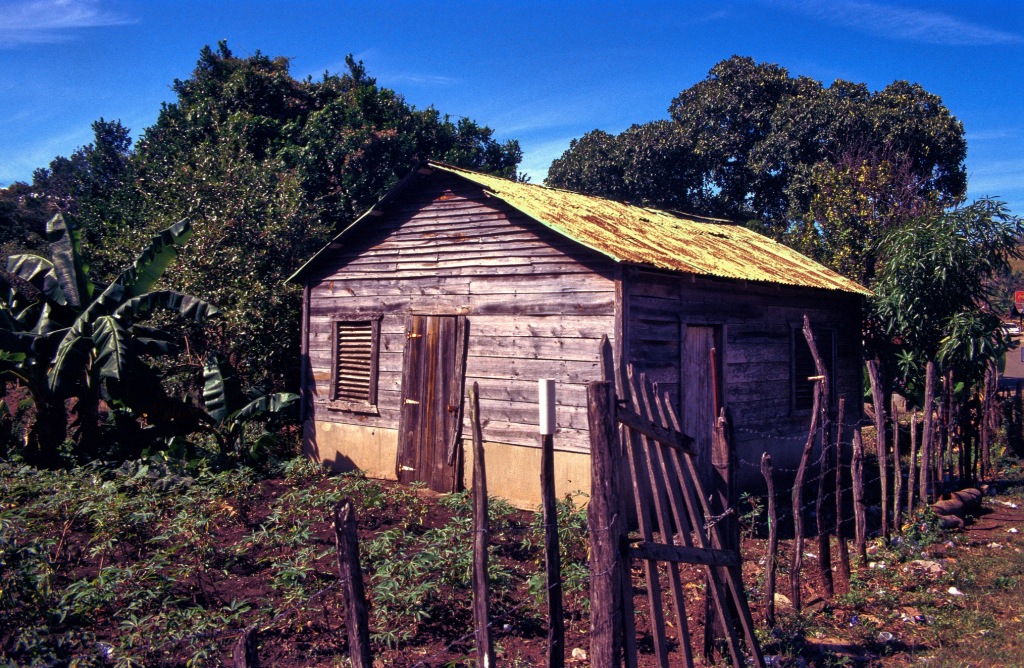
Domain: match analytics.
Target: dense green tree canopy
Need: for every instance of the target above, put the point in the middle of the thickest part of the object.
(266, 167)
(749, 142)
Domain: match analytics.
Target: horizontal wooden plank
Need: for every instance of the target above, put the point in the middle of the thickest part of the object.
(669, 437)
(580, 303)
(465, 267)
(526, 347)
(562, 371)
(527, 414)
(680, 554)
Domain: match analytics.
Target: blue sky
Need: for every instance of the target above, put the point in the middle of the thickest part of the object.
(541, 72)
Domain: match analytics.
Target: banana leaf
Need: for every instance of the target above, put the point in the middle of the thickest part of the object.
(268, 403)
(154, 260)
(113, 356)
(71, 271)
(187, 306)
(39, 273)
(73, 355)
(222, 392)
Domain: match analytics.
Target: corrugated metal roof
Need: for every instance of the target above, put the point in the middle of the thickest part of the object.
(642, 236)
(660, 239)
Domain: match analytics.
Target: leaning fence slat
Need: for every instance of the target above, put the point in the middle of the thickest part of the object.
(897, 467)
(798, 505)
(642, 494)
(642, 401)
(347, 541)
(697, 507)
(481, 539)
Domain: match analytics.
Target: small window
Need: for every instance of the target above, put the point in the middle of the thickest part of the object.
(804, 367)
(354, 369)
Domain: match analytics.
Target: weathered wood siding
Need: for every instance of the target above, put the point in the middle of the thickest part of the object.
(757, 323)
(537, 305)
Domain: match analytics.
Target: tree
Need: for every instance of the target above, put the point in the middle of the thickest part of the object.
(856, 202)
(755, 144)
(933, 301)
(267, 167)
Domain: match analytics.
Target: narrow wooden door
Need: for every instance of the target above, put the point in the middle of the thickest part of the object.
(432, 384)
(697, 384)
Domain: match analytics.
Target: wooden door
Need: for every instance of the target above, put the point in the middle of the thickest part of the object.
(432, 384)
(697, 391)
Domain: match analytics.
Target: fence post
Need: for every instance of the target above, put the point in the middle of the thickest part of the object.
(883, 458)
(773, 541)
(897, 468)
(860, 521)
(927, 482)
(244, 654)
(481, 539)
(347, 540)
(607, 526)
(552, 560)
(844, 554)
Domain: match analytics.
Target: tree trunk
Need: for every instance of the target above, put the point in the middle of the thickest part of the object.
(46, 434)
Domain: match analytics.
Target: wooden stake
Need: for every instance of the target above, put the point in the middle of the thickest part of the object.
(844, 554)
(607, 527)
(552, 560)
(928, 438)
(883, 459)
(347, 540)
(860, 521)
(773, 541)
(912, 469)
(244, 654)
(481, 539)
(897, 467)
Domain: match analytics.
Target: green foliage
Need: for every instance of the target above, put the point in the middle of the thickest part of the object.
(74, 338)
(933, 288)
(267, 167)
(229, 412)
(752, 143)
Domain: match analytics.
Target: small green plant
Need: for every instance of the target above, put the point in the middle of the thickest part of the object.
(751, 517)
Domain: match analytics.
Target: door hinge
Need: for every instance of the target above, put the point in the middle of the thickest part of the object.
(412, 402)
(410, 335)
(407, 468)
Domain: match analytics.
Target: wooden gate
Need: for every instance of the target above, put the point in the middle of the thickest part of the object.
(675, 526)
(433, 376)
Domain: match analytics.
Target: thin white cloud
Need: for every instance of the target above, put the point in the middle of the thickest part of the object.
(1002, 179)
(414, 79)
(992, 134)
(48, 21)
(904, 23)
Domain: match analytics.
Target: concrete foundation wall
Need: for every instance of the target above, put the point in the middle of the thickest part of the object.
(513, 471)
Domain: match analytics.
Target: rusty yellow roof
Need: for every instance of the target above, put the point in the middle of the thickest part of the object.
(660, 239)
(642, 236)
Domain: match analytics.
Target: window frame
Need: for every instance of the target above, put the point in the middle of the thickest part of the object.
(370, 405)
(797, 339)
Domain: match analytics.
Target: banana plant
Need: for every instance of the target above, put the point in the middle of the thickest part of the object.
(81, 339)
(228, 410)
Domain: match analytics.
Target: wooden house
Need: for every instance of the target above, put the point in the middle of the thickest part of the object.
(457, 277)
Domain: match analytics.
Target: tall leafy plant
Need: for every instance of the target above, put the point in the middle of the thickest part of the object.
(85, 341)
